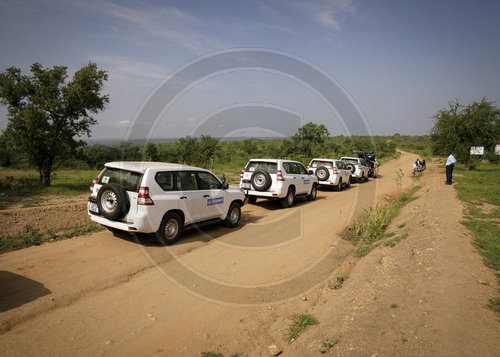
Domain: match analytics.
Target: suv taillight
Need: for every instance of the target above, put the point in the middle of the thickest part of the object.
(308, 167)
(334, 170)
(143, 197)
(242, 172)
(94, 181)
(279, 176)
(359, 166)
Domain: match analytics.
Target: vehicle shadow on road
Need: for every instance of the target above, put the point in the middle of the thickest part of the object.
(17, 290)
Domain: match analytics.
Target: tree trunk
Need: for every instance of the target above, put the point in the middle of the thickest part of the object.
(44, 176)
(467, 163)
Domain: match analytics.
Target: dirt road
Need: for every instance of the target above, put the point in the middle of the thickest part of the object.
(233, 291)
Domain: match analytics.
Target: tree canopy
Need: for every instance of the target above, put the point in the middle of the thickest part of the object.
(46, 114)
(459, 127)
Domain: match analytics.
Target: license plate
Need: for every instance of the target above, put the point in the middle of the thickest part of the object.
(245, 185)
(93, 207)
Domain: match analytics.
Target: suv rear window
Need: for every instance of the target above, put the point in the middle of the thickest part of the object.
(128, 179)
(354, 161)
(270, 167)
(318, 163)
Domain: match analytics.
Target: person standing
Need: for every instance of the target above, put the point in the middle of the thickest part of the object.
(450, 162)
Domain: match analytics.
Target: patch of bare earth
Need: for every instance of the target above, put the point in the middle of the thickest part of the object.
(42, 213)
(425, 296)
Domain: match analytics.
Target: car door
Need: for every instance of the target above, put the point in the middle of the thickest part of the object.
(213, 204)
(291, 175)
(168, 198)
(190, 198)
(305, 179)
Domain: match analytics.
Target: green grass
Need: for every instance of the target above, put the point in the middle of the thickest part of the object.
(392, 242)
(299, 324)
(478, 188)
(363, 250)
(494, 304)
(371, 226)
(64, 182)
(211, 354)
(34, 237)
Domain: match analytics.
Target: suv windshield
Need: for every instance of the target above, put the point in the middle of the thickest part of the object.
(317, 163)
(270, 167)
(128, 179)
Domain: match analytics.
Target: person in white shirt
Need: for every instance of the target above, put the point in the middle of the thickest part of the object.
(450, 162)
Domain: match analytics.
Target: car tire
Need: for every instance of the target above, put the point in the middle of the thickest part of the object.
(338, 188)
(314, 192)
(289, 199)
(233, 215)
(252, 199)
(170, 228)
(261, 180)
(112, 200)
(322, 173)
(348, 184)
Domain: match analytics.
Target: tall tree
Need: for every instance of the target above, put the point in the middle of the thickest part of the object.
(47, 114)
(308, 136)
(458, 128)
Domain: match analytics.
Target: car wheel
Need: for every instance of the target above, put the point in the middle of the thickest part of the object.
(261, 180)
(313, 194)
(112, 201)
(252, 199)
(170, 228)
(288, 200)
(339, 186)
(322, 173)
(233, 215)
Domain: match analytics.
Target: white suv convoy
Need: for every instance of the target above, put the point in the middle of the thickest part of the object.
(358, 166)
(278, 179)
(161, 198)
(331, 173)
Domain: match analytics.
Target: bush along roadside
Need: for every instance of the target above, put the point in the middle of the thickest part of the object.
(478, 189)
(34, 237)
(370, 227)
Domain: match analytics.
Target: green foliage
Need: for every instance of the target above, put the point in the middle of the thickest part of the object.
(477, 189)
(46, 113)
(299, 324)
(459, 127)
(371, 226)
(327, 344)
(494, 303)
(363, 250)
(34, 237)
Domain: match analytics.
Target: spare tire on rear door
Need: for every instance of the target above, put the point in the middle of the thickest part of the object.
(261, 180)
(112, 201)
(322, 173)
(351, 167)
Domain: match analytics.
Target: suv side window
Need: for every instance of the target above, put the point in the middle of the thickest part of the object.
(168, 180)
(207, 181)
(188, 181)
(302, 170)
(290, 168)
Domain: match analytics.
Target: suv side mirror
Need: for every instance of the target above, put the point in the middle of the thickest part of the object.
(310, 172)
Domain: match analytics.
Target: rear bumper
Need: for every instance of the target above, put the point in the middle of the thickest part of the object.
(263, 194)
(141, 224)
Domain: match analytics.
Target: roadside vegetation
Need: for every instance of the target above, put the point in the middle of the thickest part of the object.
(299, 323)
(370, 228)
(478, 189)
(35, 237)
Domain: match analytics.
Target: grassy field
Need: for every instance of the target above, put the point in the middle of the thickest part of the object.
(479, 189)
(64, 182)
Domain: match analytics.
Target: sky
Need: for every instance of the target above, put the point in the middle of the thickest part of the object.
(396, 62)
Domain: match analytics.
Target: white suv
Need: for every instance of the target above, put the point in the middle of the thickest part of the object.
(331, 173)
(358, 166)
(275, 178)
(161, 198)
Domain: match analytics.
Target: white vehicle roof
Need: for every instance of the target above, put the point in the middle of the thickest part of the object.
(323, 160)
(271, 160)
(142, 166)
(350, 158)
